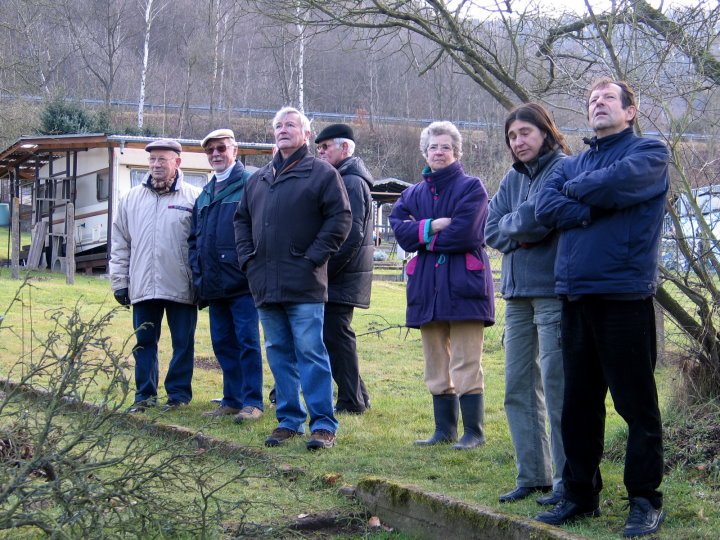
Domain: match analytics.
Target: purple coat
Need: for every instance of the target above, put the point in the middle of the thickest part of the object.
(449, 279)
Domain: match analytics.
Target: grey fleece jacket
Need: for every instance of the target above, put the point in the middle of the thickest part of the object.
(528, 247)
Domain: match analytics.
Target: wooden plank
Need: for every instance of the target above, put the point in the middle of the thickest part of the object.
(70, 244)
(15, 234)
(39, 234)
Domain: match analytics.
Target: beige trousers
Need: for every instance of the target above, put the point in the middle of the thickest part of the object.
(453, 354)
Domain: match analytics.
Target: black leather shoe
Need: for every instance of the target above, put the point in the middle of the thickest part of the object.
(551, 499)
(522, 492)
(564, 512)
(643, 519)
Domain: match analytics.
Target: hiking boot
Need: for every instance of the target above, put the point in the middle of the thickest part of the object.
(172, 404)
(142, 404)
(566, 511)
(321, 438)
(643, 519)
(280, 436)
(247, 413)
(222, 410)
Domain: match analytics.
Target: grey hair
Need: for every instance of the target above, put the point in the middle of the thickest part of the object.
(441, 128)
(282, 113)
(350, 143)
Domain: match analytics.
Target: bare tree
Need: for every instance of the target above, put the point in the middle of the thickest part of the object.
(151, 11)
(100, 32)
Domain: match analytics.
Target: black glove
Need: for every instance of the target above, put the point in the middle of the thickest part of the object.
(121, 295)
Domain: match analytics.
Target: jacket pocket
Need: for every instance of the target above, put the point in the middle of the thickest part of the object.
(468, 277)
(410, 266)
(472, 263)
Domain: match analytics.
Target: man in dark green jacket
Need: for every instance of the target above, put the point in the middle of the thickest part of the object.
(220, 283)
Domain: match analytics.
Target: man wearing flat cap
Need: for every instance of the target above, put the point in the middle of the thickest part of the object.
(349, 270)
(149, 270)
(234, 325)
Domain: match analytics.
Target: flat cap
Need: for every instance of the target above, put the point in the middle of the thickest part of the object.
(335, 131)
(218, 134)
(164, 144)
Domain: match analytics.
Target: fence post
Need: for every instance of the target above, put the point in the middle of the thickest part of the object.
(15, 239)
(70, 244)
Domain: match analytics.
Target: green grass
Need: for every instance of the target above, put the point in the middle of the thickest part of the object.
(379, 443)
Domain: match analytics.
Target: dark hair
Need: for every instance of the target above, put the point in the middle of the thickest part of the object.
(627, 96)
(538, 116)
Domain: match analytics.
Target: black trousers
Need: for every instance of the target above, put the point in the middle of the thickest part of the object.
(610, 344)
(340, 341)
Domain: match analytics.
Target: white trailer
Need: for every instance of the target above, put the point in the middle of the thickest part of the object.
(92, 171)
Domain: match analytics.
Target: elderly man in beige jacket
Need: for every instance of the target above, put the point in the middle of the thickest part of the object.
(149, 270)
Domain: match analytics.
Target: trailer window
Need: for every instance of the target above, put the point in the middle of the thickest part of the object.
(103, 186)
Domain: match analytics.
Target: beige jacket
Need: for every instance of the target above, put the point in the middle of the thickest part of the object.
(149, 251)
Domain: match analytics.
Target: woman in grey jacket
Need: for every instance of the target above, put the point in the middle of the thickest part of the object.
(533, 357)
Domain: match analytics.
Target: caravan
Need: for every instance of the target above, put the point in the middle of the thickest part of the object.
(92, 171)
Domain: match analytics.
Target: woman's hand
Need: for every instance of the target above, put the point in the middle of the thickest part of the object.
(439, 224)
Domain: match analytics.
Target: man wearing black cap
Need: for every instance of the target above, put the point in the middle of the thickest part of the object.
(149, 269)
(349, 270)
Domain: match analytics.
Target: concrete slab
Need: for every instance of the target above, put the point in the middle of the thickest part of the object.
(429, 515)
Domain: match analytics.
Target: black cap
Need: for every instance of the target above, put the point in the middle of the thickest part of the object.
(164, 144)
(335, 131)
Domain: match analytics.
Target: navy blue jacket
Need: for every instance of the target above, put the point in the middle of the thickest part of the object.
(450, 277)
(609, 203)
(213, 253)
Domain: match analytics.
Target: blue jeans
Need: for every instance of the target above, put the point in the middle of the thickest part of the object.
(534, 389)
(298, 358)
(147, 322)
(235, 334)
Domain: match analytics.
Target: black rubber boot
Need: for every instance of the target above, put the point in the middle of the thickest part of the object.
(472, 407)
(445, 407)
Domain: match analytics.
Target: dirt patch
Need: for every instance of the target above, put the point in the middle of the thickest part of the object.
(330, 524)
(207, 362)
(692, 441)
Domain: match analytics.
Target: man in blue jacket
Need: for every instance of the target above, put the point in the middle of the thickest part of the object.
(608, 202)
(234, 327)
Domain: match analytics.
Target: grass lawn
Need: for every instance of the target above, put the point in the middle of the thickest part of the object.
(380, 442)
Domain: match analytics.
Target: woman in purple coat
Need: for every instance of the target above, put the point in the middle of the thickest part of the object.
(450, 290)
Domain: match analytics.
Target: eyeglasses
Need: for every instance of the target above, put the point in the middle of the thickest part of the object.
(442, 147)
(325, 146)
(221, 148)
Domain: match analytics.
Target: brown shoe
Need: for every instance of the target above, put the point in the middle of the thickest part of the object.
(280, 435)
(247, 413)
(222, 410)
(321, 438)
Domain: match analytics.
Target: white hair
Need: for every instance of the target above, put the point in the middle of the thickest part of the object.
(350, 143)
(282, 113)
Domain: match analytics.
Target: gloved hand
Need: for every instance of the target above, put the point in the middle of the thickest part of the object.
(121, 295)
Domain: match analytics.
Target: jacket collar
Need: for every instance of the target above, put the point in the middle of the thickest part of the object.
(281, 166)
(444, 175)
(533, 168)
(596, 144)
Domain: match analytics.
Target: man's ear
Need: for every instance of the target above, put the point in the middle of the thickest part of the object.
(630, 113)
